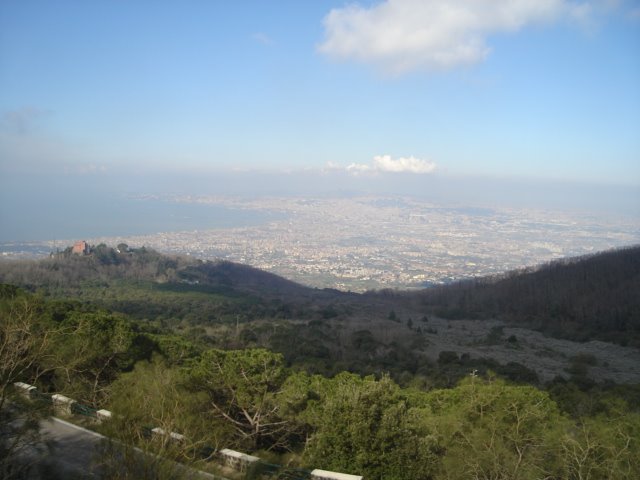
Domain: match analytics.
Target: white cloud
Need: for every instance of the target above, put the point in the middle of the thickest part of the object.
(356, 168)
(386, 164)
(398, 36)
(262, 38)
(21, 121)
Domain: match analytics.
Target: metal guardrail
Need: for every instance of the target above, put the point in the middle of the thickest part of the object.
(281, 472)
(44, 397)
(80, 409)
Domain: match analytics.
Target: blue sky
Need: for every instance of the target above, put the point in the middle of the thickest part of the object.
(544, 89)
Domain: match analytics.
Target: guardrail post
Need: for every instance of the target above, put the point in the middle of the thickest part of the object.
(326, 475)
(237, 460)
(26, 390)
(173, 436)
(103, 415)
(62, 404)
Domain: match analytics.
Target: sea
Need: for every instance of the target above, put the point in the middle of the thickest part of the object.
(58, 211)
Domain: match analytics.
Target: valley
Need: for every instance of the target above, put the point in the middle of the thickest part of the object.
(230, 356)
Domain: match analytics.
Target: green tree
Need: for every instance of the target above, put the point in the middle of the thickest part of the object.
(492, 430)
(242, 387)
(176, 349)
(604, 446)
(88, 352)
(368, 427)
(155, 395)
(24, 344)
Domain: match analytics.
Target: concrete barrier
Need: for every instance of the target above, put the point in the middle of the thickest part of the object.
(237, 460)
(326, 475)
(161, 432)
(103, 415)
(62, 404)
(26, 390)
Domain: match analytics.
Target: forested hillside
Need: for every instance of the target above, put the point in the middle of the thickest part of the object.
(250, 400)
(586, 298)
(226, 305)
(64, 271)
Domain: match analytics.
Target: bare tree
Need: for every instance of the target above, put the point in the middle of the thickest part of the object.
(24, 344)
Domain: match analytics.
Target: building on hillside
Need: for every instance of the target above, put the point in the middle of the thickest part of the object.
(80, 248)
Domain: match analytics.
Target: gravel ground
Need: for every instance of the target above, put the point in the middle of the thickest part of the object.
(547, 356)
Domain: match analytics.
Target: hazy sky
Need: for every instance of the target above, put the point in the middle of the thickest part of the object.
(526, 88)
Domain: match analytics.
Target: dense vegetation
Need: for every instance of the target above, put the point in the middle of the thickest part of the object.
(249, 399)
(594, 297)
(227, 305)
(178, 343)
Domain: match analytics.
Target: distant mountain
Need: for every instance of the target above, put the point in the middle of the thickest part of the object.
(584, 298)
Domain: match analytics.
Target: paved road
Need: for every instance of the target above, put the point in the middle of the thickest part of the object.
(74, 448)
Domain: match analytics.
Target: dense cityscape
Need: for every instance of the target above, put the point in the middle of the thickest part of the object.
(371, 242)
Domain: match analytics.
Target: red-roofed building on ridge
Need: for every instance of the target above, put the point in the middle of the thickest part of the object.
(80, 248)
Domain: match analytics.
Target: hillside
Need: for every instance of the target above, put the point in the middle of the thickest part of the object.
(587, 298)
(228, 356)
(436, 335)
(146, 284)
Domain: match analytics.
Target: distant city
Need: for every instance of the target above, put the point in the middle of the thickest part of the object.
(373, 242)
